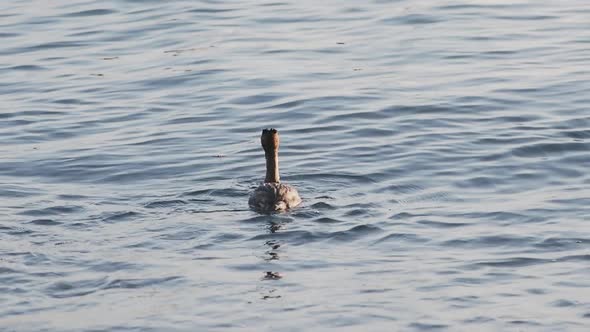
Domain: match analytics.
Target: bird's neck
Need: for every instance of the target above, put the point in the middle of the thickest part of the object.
(272, 166)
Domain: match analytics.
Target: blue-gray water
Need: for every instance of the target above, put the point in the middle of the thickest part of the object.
(441, 148)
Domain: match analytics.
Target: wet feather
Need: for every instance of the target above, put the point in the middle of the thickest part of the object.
(274, 196)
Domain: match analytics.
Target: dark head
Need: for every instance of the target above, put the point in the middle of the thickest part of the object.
(270, 140)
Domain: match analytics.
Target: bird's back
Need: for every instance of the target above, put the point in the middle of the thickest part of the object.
(274, 196)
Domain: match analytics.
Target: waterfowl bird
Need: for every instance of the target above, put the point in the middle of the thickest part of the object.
(272, 195)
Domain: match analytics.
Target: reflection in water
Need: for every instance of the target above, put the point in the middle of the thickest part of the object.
(272, 254)
(271, 295)
(274, 227)
(270, 275)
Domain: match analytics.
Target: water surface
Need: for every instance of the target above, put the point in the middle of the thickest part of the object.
(441, 149)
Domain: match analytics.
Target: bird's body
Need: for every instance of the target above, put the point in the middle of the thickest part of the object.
(272, 195)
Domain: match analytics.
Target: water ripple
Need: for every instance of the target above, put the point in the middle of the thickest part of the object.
(441, 150)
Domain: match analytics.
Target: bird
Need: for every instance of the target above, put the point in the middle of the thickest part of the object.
(273, 195)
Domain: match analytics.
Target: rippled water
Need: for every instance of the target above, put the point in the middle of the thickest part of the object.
(441, 149)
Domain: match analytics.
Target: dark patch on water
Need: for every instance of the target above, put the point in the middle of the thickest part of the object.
(93, 12)
(165, 203)
(44, 222)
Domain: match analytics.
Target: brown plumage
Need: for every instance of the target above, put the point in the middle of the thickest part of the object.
(273, 195)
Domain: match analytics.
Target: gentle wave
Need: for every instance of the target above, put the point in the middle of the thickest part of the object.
(441, 151)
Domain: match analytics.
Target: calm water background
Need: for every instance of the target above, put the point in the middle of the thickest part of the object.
(441, 148)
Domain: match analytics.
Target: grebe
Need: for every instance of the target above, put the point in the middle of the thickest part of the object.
(273, 195)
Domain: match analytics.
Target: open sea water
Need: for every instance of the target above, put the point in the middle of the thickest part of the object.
(441, 148)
